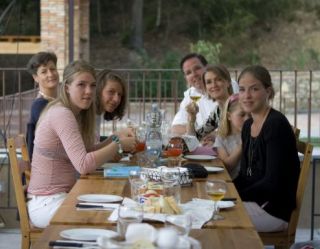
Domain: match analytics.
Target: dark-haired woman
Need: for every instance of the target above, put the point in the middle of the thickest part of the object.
(270, 167)
(43, 68)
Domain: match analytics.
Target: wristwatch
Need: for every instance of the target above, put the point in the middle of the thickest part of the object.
(116, 139)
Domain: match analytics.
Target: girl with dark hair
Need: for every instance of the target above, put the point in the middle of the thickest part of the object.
(270, 166)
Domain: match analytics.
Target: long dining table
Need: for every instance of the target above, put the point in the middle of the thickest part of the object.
(234, 231)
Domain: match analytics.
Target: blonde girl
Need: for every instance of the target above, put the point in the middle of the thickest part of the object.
(228, 141)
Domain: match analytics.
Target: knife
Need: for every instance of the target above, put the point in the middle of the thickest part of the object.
(93, 206)
(229, 199)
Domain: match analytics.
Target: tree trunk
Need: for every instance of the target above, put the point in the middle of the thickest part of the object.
(137, 25)
(159, 12)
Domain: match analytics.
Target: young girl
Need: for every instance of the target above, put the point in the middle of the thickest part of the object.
(269, 171)
(228, 141)
(64, 143)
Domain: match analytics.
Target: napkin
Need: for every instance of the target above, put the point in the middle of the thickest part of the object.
(191, 141)
(119, 171)
(141, 231)
(96, 206)
(201, 210)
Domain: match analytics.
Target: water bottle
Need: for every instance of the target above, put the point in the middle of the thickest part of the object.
(154, 138)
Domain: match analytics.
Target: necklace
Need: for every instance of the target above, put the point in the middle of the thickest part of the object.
(46, 96)
(252, 145)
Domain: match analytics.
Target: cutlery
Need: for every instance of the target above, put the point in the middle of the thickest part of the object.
(72, 244)
(94, 206)
(229, 199)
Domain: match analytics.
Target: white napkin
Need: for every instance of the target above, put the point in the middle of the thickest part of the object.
(191, 141)
(201, 210)
(141, 231)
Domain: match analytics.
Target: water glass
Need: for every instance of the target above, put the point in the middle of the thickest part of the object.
(127, 214)
(181, 223)
(171, 186)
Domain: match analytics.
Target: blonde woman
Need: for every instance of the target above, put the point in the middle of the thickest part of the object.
(64, 143)
(217, 82)
(228, 141)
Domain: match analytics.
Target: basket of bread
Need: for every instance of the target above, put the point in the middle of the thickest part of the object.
(156, 199)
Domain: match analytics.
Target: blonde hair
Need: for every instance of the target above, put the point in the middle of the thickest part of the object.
(86, 118)
(225, 125)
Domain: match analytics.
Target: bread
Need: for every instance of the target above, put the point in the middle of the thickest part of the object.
(173, 204)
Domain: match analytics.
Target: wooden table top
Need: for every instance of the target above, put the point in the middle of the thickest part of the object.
(224, 175)
(209, 238)
(67, 214)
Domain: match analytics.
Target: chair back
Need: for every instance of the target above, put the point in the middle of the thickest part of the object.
(286, 238)
(19, 166)
(305, 149)
(296, 132)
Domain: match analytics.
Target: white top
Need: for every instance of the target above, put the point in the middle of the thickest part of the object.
(206, 106)
(229, 144)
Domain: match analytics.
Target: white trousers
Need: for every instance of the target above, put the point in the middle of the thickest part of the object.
(41, 208)
(263, 221)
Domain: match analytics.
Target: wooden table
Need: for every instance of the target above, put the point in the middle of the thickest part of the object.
(209, 238)
(216, 162)
(67, 214)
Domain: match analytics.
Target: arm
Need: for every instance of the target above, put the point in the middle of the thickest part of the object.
(192, 110)
(230, 160)
(37, 106)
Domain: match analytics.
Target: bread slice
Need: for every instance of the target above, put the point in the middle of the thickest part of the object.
(173, 204)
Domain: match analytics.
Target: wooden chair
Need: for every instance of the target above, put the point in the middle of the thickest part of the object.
(285, 239)
(296, 132)
(29, 233)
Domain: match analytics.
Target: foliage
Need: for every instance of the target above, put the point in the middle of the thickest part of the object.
(210, 50)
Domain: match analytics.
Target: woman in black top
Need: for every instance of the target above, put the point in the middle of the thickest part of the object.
(270, 166)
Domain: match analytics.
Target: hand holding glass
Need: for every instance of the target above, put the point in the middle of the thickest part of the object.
(216, 190)
(194, 94)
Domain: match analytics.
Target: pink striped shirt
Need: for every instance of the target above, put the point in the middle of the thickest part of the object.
(59, 152)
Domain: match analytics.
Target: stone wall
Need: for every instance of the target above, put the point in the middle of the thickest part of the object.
(55, 29)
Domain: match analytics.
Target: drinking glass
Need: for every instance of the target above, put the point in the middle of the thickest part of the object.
(181, 223)
(174, 152)
(127, 214)
(171, 186)
(216, 190)
(141, 139)
(194, 94)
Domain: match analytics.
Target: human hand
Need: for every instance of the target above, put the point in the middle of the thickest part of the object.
(128, 144)
(192, 108)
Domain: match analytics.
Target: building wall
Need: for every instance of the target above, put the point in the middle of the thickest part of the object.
(55, 29)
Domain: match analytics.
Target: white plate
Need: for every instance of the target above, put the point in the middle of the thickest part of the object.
(199, 157)
(99, 198)
(213, 169)
(86, 234)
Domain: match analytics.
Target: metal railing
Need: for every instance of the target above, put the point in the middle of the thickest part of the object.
(297, 96)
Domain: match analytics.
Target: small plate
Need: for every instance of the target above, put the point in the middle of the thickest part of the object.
(213, 169)
(99, 198)
(86, 234)
(200, 157)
